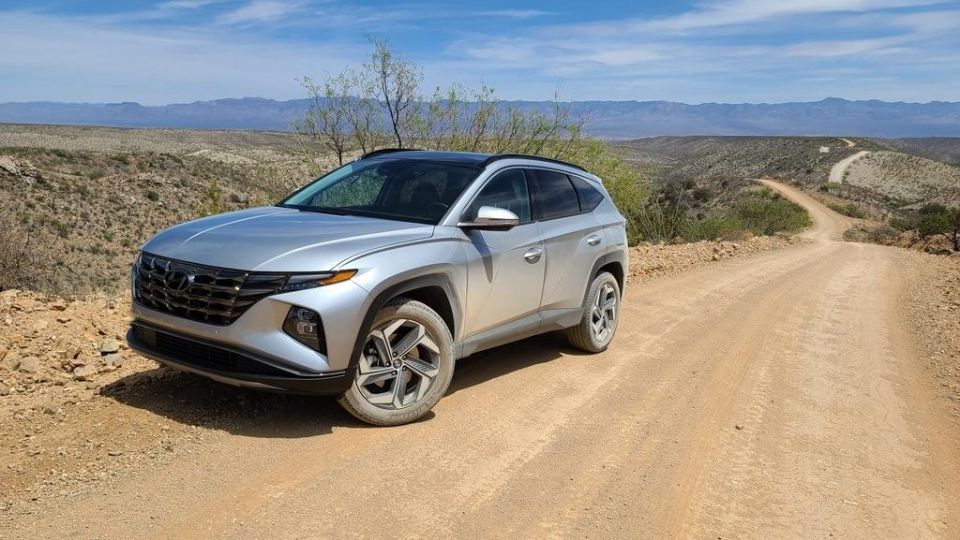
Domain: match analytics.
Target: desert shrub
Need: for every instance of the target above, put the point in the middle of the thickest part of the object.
(899, 223)
(153, 195)
(212, 201)
(62, 229)
(937, 219)
(668, 218)
(765, 212)
(20, 264)
(721, 226)
(874, 233)
(849, 209)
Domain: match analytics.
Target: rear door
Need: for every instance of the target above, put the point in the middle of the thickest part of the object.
(572, 239)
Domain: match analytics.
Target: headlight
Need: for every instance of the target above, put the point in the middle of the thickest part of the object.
(299, 282)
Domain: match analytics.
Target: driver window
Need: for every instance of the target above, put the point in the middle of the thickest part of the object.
(507, 190)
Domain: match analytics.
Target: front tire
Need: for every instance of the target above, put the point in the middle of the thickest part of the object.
(405, 365)
(601, 314)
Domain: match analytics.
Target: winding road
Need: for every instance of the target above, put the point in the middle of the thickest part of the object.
(839, 169)
(774, 396)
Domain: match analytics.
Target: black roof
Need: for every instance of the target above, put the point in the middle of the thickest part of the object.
(475, 159)
(464, 158)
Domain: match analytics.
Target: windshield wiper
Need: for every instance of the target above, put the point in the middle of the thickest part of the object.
(320, 209)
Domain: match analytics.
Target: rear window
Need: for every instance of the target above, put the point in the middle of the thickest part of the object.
(590, 197)
(556, 194)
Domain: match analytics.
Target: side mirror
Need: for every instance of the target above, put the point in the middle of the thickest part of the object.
(493, 219)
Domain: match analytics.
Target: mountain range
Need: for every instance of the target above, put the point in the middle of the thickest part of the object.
(606, 119)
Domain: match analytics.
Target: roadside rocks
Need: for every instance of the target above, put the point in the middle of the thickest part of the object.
(9, 165)
(109, 346)
(47, 342)
(652, 260)
(29, 364)
(112, 360)
(83, 373)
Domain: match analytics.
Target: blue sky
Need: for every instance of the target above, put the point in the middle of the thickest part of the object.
(726, 51)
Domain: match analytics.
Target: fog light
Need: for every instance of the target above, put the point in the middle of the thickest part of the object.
(303, 325)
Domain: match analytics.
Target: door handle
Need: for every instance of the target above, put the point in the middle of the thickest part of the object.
(594, 240)
(533, 255)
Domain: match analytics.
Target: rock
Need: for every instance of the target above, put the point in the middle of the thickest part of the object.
(4, 390)
(113, 359)
(29, 364)
(58, 306)
(3, 353)
(8, 164)
(739, 427)
(109, 346)
(40, 326)
(63, 320)
(83, 373)
(10, 361)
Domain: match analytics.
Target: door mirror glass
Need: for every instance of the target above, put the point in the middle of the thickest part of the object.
(492, 218)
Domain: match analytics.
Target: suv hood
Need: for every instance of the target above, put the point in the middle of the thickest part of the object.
(274, 239)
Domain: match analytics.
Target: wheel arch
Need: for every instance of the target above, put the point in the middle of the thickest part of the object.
(612, 262)
(434, 290)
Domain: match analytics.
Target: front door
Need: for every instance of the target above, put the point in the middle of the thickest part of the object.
(505, 269)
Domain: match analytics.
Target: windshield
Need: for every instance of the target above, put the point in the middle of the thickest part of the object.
(406, 190)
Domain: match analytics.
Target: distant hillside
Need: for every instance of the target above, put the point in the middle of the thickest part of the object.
(607, 119)
(935, 148)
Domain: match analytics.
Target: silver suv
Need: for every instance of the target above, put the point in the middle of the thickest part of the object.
(370, 282)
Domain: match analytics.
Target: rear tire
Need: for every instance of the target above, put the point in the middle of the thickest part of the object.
(601, 315)
(405, 365)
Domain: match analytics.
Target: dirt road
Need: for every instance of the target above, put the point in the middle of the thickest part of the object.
(838, 170)
(778, 396)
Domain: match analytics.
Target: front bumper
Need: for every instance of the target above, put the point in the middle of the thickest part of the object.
(259, 330)
(228, 364)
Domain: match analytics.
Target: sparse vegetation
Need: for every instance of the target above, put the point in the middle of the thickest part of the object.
(20, 262)
(849, 209)
(382, 103)
(759, 211)
(937, 219)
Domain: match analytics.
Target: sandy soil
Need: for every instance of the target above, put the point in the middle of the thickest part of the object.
(778, 395)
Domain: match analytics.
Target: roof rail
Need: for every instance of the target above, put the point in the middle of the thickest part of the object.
(498, 157)
(388, 151)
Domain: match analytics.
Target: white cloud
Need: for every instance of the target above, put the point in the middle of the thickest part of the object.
(513, 13)
(177, 5)
(259, 11)
(84, 60)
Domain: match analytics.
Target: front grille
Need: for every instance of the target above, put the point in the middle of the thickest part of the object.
(200, 293)
(202, 355)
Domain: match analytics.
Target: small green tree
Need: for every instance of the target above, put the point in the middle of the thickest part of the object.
(937, 219)
(325, 124)
(396, 83)
(381, 102)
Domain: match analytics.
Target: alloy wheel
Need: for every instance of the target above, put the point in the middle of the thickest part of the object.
(603, 318)
(398, 365)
